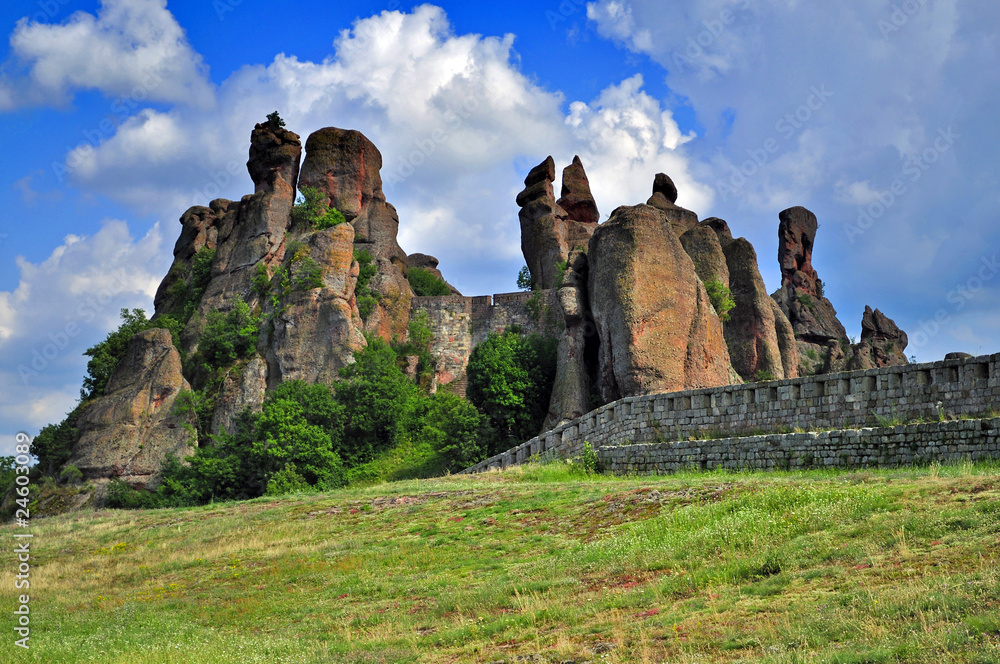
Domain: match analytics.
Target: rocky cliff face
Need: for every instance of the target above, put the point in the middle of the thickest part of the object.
(548, 230)
(129, 431)
(657, 328)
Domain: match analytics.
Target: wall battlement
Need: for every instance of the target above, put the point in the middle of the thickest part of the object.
(850, 400)
(461, 323)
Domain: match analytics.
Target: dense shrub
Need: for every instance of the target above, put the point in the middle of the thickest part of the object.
(425, 282)
(454, 430)
(53, 445)
(377, 397)
(721, 298)
(228, 336)
(367, 299)
(510, 381)
(311, 210)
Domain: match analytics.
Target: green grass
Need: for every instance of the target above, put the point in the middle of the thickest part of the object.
(536, 564)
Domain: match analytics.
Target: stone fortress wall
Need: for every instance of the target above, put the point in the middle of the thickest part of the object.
(462, 323)
(661, 432)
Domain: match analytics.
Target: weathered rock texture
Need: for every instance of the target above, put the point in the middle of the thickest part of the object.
(548, 231)
(317, 330)
(800, 296)
(128, 432)
(345, 166)
(571, 392)
(664, 198)
(751, 331)
(658, 331)
(882, 345)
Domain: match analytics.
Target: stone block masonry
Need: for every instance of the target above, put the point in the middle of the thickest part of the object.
(848, 401)
(461, 323)
(902, 445)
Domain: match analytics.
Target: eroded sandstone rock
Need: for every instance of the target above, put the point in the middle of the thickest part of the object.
(658, 331)
(128, 432)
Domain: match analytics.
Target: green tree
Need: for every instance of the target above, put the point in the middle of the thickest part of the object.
(524, 280)
(300, 425)
(510, 380)
(311, 209)
(53, 445)
(377, 397)
(454, 429)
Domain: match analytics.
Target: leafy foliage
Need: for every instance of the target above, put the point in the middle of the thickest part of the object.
(308, 275)
(510, 381)
(311, 210)
(763, 376)
(524, 280)
(721, 298)
(228, 336)
(425, 282)
(806, 301)
(454, 429)
(261, 280)
(367, 299)
(377, 397)
(274, 120)
(53, 445)
(418, 342)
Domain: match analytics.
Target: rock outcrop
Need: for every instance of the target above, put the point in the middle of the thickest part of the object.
(571, 391)
(664, 198)
(548, 231)
(657, 328)
(759, 337)
(128, 432)
(429, 263)
(317, 329)
(345, 167)
(882, 345)
(800, 296)
(751, 330)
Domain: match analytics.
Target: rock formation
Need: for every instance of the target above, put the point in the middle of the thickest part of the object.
(800, 296)
(882, 345)
(571, 392)
(129, 431)
(758, 335)
(345, 167)
(548, 231)
(429, 263)
(657, 328)
(751, 330)
(664, 198)
(636, 317)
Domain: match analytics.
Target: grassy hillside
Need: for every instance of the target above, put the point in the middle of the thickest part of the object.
(535, 565)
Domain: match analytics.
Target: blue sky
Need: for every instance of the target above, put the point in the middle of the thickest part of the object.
(879, 116)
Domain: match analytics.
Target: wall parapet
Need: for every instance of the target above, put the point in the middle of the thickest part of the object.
(848, 400)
